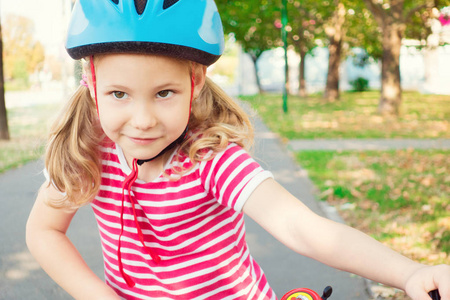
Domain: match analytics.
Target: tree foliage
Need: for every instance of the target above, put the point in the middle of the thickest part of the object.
(257, 24)
(326, 23)
(253, 24)
(305, 26)
(306, 23)
(378, 26)
(23, 55)
(362, 29)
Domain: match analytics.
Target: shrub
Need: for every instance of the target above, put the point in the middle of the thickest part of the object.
(360, 84)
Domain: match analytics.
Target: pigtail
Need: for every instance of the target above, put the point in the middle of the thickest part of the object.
(72, 157)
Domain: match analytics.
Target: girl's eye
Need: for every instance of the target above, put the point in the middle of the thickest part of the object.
(119, 95)
(164, 94)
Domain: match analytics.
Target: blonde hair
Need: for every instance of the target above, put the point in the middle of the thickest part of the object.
(73, 157)
(216, 120)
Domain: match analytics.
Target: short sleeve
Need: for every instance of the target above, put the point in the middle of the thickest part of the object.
(231, 176)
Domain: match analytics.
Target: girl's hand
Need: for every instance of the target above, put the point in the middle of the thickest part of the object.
(429, 278)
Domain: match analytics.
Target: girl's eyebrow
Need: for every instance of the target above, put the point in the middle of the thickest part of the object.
(166, 85)
(115, 87)
(159, 87)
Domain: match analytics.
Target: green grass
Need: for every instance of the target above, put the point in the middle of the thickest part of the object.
(399, 197)
(354, 116)
(28, 130)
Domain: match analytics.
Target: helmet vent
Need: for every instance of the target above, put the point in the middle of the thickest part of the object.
(115, 1)
(140, 6)
(169, 3)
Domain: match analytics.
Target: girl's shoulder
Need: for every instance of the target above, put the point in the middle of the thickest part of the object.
(225, 156)
(231, 175)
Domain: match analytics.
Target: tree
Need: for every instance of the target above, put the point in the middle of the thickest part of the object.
(335, 31)
(348, 23)
(4, 131)
(306, 26)
(253, 25)
(393, 17)
(328, 22)
(23, 55)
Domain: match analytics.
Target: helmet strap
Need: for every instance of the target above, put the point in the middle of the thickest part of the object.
(94, 82)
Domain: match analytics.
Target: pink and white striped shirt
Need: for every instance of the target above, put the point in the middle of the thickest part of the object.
(194, 224)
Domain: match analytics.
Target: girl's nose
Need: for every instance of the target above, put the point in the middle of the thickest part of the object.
(143, 116)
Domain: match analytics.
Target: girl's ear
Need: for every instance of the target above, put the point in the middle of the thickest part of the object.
(88, 71)
(90, 86)
(199, 72)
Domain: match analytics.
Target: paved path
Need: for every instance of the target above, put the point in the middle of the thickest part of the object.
(368, 144)
(21, 277)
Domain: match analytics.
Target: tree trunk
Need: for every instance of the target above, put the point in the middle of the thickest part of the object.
(301, 78)
(393, 27)
(391, 91)
(334, 61)
(258, 81)
(335, 33)
(4, 131)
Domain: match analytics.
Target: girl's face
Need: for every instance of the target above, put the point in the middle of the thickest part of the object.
(144, 100)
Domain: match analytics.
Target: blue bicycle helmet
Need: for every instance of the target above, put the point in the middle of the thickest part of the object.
(184, 29)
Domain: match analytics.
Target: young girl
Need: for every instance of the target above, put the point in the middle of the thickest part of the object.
(157, 149)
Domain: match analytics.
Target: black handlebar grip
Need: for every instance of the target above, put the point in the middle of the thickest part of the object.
(327, 292)
(435, 295)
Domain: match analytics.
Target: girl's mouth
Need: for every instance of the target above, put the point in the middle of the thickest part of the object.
(142, 141)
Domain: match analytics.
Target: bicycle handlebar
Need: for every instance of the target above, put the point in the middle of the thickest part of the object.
(435, 295)
(307, 294)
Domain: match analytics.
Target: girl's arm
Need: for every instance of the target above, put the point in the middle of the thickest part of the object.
(47, 241)
(340, 246)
